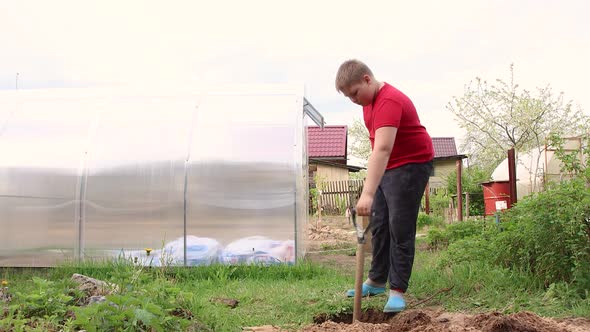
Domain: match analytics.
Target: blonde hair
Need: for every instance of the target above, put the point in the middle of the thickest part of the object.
(350, 72)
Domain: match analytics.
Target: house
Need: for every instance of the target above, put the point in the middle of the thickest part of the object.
(327, 152)
(445, 160)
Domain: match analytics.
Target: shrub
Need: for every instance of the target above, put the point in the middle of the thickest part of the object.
(437, 239)
(441, 238)
(471, 249)
(140, 304)
(547, 235)
(465, 229)
(429, 220)
(550, 234)
(438, 203)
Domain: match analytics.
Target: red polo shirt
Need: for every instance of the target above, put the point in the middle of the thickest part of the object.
(392, 108)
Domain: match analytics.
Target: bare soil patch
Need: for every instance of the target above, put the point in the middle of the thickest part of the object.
(440, 321)
(332, 242)
(330, 232)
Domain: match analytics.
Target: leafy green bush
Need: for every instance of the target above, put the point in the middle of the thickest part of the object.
(466, 229)
(41, 308)
(125, 312)
(313, 197)
(139, 304)
(47, 298)
(429, 220)
(546, 234)
(550, 234)
(438, 203)
(440, 238)
(470, 249)
(437, 239)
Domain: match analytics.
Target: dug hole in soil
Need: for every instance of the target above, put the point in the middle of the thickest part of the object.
(434, 321)
(338, 231)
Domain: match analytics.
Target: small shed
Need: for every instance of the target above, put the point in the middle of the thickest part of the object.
(445, 161)
(328, 153)
(95, 173)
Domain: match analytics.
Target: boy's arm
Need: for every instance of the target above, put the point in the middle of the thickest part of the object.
(384, 139)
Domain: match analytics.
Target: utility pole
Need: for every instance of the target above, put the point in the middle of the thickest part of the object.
(17, 81)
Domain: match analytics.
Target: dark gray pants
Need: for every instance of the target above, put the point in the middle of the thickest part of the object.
(395, 211)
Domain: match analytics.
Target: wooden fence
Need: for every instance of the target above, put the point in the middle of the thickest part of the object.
(333, 197)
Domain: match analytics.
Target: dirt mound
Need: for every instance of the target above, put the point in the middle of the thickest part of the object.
(333, 326)
(519, 322)
(333, 233)
(438, 321)
(328, 232)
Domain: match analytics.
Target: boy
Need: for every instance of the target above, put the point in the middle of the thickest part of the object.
(399, 168)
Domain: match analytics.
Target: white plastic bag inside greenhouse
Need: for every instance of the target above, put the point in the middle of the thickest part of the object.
(258, 250)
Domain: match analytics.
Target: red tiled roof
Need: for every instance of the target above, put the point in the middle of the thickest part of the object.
(444, 147)
(329, 142)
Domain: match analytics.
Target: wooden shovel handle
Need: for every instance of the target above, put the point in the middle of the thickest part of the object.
(358, 282)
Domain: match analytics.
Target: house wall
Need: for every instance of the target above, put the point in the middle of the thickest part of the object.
(442, 168)
(331, 173)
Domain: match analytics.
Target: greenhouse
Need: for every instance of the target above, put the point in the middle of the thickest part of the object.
(538, 166)
(161, 176)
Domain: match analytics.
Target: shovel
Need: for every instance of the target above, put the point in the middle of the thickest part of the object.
(360, 262)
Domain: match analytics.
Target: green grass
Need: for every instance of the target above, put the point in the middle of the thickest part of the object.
(477, 288)
(281, 295)
(287, 296)
(328, 247)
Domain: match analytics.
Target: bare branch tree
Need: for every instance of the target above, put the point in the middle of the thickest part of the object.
(359, 144)
(500, 116)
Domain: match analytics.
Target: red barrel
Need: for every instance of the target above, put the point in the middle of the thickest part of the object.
(496, 196)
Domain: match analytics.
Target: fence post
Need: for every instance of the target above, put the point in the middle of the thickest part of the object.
(317, 225)
(459, 164)
(427, 198)
(336, 196)
(467, 205)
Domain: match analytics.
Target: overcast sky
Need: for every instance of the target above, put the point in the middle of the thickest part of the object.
(428, 49)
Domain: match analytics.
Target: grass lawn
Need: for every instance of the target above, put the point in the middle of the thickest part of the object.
(286, 296)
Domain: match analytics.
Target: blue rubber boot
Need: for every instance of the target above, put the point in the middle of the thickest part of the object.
(395, 303)
(367, 290)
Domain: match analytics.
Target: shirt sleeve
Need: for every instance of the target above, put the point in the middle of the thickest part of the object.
(387, 114)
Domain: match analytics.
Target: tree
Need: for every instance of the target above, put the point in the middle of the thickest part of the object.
(360, 175)
(500, 116)
(360, 145)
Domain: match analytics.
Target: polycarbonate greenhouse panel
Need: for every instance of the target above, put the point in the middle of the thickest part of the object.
(242, 167)
(199, 177)
(135, 175)
(302, 189)
(41, 141)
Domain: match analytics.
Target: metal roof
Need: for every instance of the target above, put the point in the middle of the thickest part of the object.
(332, 140)
(444, 147)
(327, 142)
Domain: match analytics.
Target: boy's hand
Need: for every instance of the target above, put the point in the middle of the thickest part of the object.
(363, 206)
